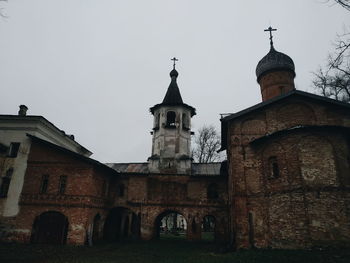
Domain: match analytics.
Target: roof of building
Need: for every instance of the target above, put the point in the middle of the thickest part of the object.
(198, 169)
(41, 119)
(74, 154)
(273, 61)
(173, 96)
(260, 106)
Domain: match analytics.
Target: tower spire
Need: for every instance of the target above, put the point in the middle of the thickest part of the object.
(270, 29)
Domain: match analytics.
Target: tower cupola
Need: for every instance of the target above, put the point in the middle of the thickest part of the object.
(275, 72)
(171, 144)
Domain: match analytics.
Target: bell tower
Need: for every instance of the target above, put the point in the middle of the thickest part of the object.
(171, 142)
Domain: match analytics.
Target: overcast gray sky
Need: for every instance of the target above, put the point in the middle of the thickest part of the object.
(94, 68)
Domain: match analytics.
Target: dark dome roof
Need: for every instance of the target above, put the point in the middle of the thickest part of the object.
(174, 73)
(173, 96)
(274, 60)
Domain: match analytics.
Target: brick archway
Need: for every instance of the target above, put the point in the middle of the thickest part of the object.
(178, 224)
(209, 228)
(121, 223)
(50, 228)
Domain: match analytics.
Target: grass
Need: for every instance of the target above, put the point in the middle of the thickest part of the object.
(165, 251)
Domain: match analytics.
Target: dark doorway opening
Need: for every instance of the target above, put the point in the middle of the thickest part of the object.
(50, 228)
(96, 228)
(171, 225)
(121, 224)
(208, 228)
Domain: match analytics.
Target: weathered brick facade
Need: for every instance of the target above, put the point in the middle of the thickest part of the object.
(286, 182)
(289, 173)
(92, 191)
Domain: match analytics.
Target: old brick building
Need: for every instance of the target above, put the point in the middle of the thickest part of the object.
(285, 183)
(52, 192)
(288, 160)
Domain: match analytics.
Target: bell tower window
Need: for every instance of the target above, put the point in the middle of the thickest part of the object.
(170, 119)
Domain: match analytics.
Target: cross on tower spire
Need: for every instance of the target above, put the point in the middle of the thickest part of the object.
(174, 59)
(270, 29)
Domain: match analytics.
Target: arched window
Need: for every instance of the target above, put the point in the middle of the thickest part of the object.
(185, 122)
(5, 184)
(212, 191)
(170, 119)
(274, 171)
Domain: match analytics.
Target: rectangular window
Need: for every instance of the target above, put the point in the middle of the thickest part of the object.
(62, 184)
(5, 183)
(44, 184)
(13, 150)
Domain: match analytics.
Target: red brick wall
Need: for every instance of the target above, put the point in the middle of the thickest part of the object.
(82, 200)
(308, 203)
(155, 194)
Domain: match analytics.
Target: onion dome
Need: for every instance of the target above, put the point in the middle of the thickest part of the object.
(274, 61)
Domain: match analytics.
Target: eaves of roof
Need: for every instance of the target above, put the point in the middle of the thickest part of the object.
(83, 158)
(300, 128)
(45, 122)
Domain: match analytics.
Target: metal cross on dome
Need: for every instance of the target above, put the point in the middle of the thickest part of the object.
(174, 59)
(270, 29)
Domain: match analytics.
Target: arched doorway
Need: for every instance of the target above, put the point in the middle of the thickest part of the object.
(170, 225)
(121, 224)
(50, 228)
(208, 228)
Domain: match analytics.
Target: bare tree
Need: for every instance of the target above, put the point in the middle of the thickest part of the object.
(344, 3)
(207, 143)
(333, 80)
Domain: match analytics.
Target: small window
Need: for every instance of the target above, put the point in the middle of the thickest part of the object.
(5, 183)
(212, 191)
(13, 150)
(62, 184)
(44, 184)
(121, 190)
(170, 119)
(274, 171)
